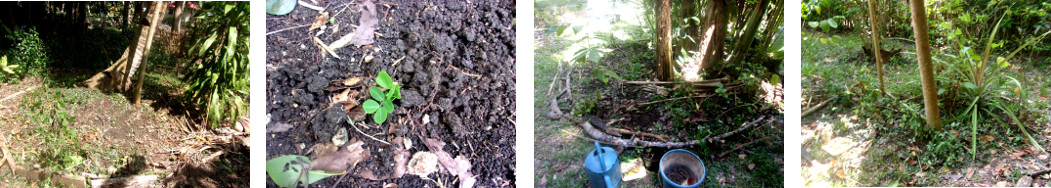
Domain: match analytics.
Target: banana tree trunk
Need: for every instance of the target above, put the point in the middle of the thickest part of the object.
(745, 40)
(664, 61)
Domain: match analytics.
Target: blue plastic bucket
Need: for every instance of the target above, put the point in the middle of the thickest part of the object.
(680, 158)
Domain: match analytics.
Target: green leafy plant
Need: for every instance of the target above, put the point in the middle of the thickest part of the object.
(382, 103)
(9, 69)
(28, 52)
(220, 82)
(280, 7)
(984, 83)
(293, 170)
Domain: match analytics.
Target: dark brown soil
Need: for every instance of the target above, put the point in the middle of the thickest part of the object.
(456, 63)
(678, 174)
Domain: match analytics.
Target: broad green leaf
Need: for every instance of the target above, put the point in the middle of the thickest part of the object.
(970, 85)
(207, 44)
(280, 7)
(832, 22)
(370, 106)
(388, 106)
(285, 170)
(825, 26)
(379, 117)
(376, 93)
(813, 24)
(230, 44)
(384, 80)
(594, 55)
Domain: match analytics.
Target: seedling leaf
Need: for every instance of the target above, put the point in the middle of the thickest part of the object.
(376, 93)
(379, 117)
(388, 107)
(384, 80)
(370, 106)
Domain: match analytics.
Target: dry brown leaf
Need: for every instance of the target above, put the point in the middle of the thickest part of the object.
(354, 81)
(988, 138)
(346, 158)
(356, 114)
(459, 166)
(422, 164)
(1017, 155)
(1042, 157)
(319, 21)
(742, 156)
(751, 166)
(278, 127)
(970, 172)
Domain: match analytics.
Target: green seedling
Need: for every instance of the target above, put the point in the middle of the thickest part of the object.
(384, 101)
(293, 170)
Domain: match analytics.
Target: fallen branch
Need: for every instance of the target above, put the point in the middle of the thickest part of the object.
(673, 99)
(19, 93)
(739, 147)
(602, 136)
(743, 127)
(818, 107)
(290, 28)
(308, 5)
(662, 138)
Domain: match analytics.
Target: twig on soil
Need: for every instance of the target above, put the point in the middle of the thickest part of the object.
(290, 28)
(586, 138)
(818, 107)
(19, 93)
(739, 147)
(672, 99)
(662, 138)
(321, 44)
(746, 126)
(367, 135)
(308, 5)
(465, 72)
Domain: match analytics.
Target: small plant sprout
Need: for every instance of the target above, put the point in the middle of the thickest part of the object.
(294, 170)
(382, 103)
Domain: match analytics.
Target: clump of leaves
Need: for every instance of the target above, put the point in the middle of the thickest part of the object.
(9, 69)
(384, 101)
(220, 82)
(293, 170)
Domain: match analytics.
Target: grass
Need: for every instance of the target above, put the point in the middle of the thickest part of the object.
(909, 153)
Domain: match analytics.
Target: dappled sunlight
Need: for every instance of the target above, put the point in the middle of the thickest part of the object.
(835, 150)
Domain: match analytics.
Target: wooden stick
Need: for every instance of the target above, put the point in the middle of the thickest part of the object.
(739, 147)
(662, 138)
(19, 93)
(367, 135)
(818, 107)
(677, 98)
(290, 28)
(743, 127)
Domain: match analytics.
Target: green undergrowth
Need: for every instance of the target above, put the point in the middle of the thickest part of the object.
(50, 114)
(837, 69)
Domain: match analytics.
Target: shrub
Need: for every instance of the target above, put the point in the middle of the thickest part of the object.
(220, 81)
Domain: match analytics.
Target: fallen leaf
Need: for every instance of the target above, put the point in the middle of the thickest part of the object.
(354, 81)
(458, 166)
(278, 127)
(988, 138)
(356, 114)
(751, 166)
(422, 164)
(1042, 157)
(952, 177)
(921, 174)
(365, 34)
(970, 172)
(319, 21)
(346, 158)
(1001, 184)
(742, 156)
(1017, 155)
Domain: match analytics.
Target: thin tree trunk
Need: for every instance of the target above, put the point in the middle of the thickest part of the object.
(923, 51)
(124, 19)
(745, 40)
(157, 14)
(177, 18)
(873, 21)
(664, 61)
(714, 35)
(82, 16)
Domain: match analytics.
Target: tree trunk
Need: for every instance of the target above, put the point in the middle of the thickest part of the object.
(691, 28)
(82, 16)
(664, 61)
(745, 40)
(124, 19)
(714, 35)
(118, 76)
(923, 51)
(873, 21)
(158, 12)
(177, 18)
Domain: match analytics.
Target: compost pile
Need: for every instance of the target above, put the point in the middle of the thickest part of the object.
(454, 59)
